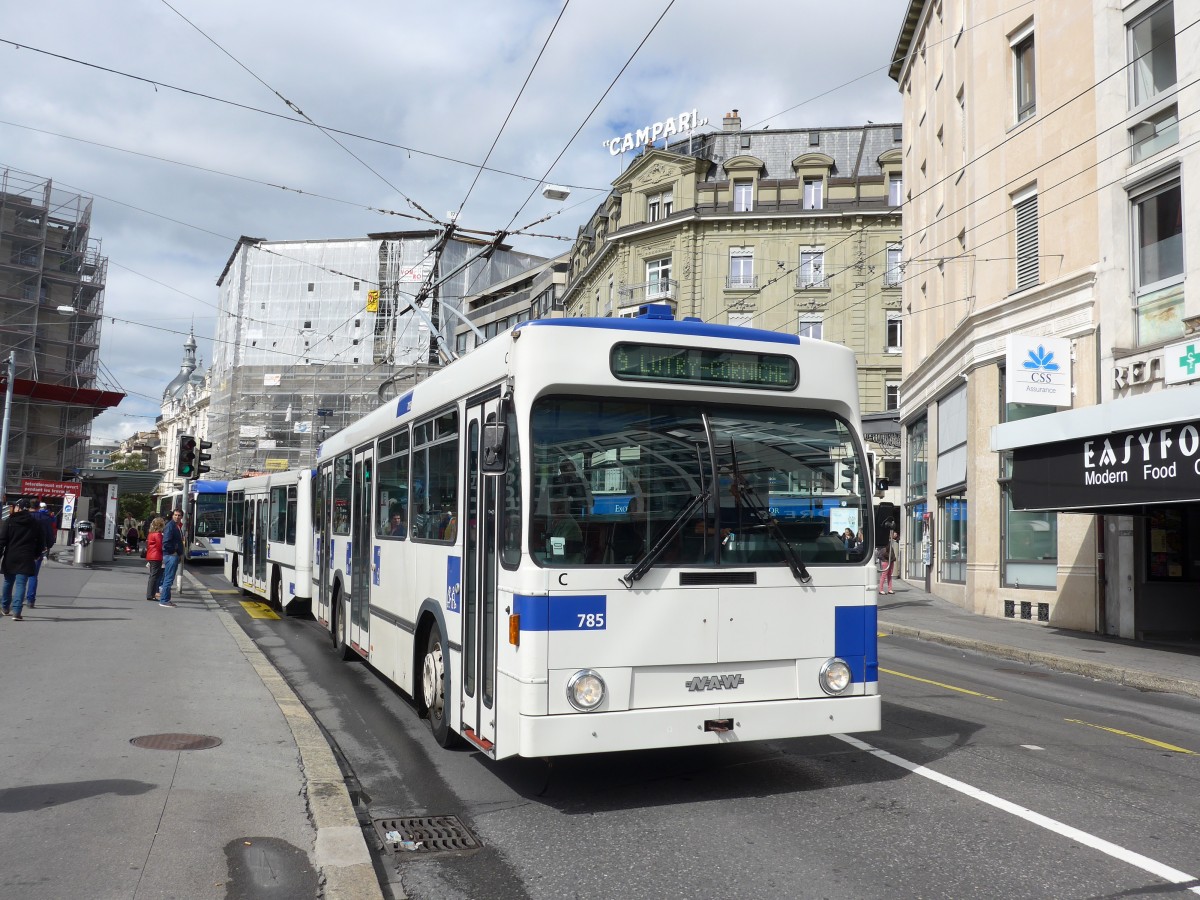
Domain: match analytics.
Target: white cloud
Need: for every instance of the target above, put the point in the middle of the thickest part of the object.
(435, 77)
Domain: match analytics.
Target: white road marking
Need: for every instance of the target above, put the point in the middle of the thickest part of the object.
(1032, 747)
(1145, 863)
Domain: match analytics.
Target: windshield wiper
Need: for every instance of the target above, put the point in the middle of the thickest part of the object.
(664, 539)
(750, 497)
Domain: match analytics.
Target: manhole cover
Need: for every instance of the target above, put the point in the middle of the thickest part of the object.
(176, 741)
(426, 834)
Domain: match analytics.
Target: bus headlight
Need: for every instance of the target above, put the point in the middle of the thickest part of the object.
(585, 690)
(835, 676)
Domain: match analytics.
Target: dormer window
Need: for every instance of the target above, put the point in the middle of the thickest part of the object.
(814, 193)
(743, 196)
(660, 205)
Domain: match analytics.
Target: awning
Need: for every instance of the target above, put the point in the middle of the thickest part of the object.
(66, 393)
(1148, 455)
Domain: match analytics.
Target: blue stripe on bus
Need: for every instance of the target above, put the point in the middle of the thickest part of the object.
(669, 327)
(855, 640)
(583, 612)
(404, 404)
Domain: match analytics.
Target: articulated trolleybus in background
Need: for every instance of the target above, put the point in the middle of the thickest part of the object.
(203, 514)
(611, 534)
(268, 541)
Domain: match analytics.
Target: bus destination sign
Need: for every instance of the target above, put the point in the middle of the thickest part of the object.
(697, 365)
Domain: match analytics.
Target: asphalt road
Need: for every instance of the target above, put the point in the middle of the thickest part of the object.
(989, 778)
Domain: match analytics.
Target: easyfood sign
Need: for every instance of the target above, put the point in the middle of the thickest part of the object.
(1150, 465)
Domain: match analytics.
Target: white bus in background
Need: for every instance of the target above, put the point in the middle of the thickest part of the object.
(609, 534)
(269, 541)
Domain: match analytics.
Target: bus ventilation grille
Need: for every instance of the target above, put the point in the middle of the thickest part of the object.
(427, 835)
(697, 579)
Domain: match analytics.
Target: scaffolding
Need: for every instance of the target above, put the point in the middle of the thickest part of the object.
(308, 331)
(52, 278)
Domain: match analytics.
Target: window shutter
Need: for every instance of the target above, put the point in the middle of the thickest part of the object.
(1027, 243)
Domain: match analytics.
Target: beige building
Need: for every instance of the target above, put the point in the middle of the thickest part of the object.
(1043, 257)
(794, 231)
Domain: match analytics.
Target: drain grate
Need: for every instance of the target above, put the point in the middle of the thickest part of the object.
(176, 741)
(426, 835)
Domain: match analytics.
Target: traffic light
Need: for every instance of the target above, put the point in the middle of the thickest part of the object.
(202, 457)
(185, 462)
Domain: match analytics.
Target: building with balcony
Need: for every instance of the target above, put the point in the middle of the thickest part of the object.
(535, 293)
(51, 306)
(1049, 401)
(791, 230)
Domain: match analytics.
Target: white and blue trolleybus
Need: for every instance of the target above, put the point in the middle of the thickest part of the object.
(269, 543)
(610, 534)
(203, 517)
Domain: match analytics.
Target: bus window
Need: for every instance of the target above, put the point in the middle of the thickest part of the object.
(391, 505)
(290, 528)
(435, 480)
(278, 526)
(510, 549)
(341, 494)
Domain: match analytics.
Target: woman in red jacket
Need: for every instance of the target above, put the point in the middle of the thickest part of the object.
(154, 557)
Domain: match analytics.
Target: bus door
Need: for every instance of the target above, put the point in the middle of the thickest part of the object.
(361, 543)
(479, 581)
(246, 566)
(260, 543)
(324, 488)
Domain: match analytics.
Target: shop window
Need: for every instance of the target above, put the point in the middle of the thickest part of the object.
(952, 538)
(1166, 540)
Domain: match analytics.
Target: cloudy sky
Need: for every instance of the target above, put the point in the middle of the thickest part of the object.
(171, 114)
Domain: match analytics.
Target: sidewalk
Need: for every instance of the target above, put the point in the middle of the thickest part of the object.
(86, 812)
(911, 612)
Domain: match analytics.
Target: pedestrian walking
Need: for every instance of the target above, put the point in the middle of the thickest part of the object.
(131, 538)
(22, 541)
(888, 556)
(154, 557)
(172, 544)
(45, 520)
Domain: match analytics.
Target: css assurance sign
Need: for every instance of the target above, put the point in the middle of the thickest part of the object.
(1038, 370)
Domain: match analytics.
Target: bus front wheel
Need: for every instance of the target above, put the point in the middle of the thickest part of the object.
(433, 688)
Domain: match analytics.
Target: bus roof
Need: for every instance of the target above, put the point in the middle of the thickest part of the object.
(658, 319)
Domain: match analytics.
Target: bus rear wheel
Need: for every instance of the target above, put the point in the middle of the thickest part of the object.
(433, 688)
(341, 646)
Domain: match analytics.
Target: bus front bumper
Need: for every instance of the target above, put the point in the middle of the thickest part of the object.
(693, 726)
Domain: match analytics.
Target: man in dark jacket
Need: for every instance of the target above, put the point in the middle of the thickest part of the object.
(172, 554)
(22, 541)
(45, 520)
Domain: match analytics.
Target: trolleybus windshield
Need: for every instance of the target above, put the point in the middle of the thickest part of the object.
(611, 477)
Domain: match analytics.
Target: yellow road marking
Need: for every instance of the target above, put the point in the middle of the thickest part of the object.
(1136, 737)
(948, 687)
(881, 634)
(228, 591)
(258, 610)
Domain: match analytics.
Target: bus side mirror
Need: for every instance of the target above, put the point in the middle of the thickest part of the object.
(881, 485)
(493, 459)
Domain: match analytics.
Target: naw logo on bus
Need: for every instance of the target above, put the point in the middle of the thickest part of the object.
(714, 682)
(453, 583)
